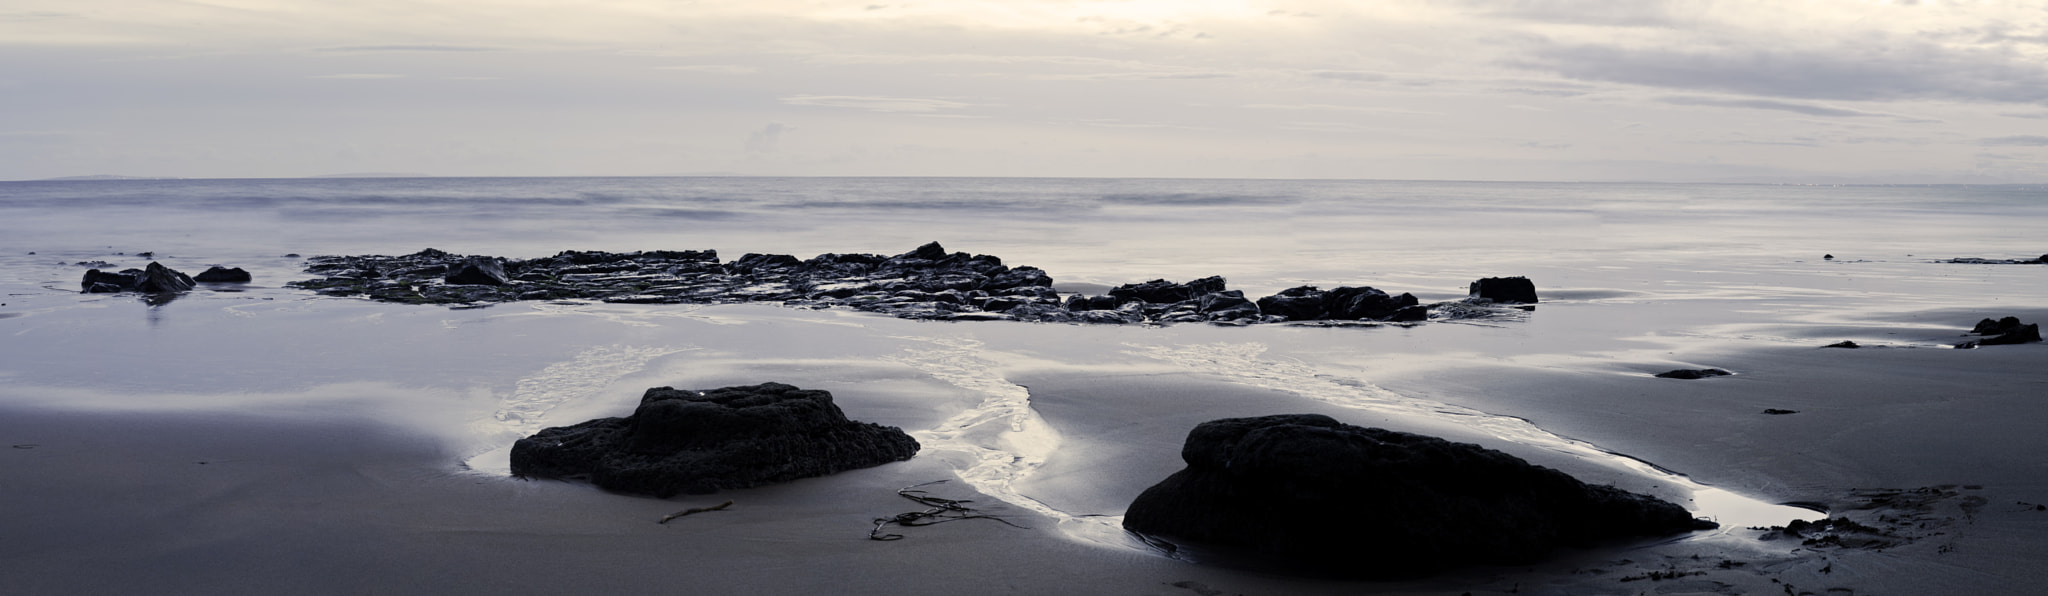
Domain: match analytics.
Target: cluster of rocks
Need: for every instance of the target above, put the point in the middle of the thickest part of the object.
(695, 442)
(2003, 332)
(155, 279)
(927, 283)
(1306, 492)
(1982, 261)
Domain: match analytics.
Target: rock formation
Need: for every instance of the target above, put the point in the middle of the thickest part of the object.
(1304, 492)
(1505, 289)
(927, 283)
(694, 442)
(154, 279)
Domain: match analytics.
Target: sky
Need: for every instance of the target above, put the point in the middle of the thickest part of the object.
(1793, 91)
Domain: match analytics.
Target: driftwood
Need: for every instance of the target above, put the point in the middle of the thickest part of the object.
(694, 510)
(940, 510)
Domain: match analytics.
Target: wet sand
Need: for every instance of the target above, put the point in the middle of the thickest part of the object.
(141, 479)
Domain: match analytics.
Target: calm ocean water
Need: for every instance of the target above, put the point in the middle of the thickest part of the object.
(1264, 235)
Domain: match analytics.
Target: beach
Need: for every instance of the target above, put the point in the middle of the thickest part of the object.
(258, 438)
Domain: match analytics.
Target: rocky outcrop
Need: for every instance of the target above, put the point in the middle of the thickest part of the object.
(927, 283)
(694, 442)
(2004, 332)
(154, 279)
(218, 274)
(1308, 493)
(1505, 289)
(1308, 303)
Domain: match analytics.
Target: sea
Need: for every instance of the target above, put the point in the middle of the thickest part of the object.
(1631, 275)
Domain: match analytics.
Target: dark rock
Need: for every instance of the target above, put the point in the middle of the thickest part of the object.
(2028, 333)
(1230, 305)
(102, 282)
(222, 275)
(701, 442)
(1308, 303)
(154, 279)
(1693, 374)
(1843, 344)
(1990, 327)
(1505, 289)
(1360, 304)
(754, 263)
(1312, 494)
(478, 271)
(1160, 291)
(1828, 257)
(1778, 412)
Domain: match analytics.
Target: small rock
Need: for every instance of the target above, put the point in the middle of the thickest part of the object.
(218, 274)
(1843, 344)
(1693, 374)
(1778, 412)
(1828, 257)
(1505, 289)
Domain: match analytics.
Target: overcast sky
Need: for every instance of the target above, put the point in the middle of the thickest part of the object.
(1789, 90)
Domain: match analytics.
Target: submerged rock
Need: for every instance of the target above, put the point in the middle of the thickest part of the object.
(1697, 374)
(694, 442)
(154, 279)
(1843, 344)
(1505, 289)
(1308, 493)
(217, 274)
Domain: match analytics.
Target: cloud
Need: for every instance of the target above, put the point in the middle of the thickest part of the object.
(1633, 13)
(2016, 141)
(358, 76)
(2027, 115)
(766, 140)
(1336, 108)
(1770, 104)
(406, 48)
(1862, 70)
(911, 105)
(1348, 75)
(712, 68)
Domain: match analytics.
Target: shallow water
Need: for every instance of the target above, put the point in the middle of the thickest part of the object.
(1630, 272)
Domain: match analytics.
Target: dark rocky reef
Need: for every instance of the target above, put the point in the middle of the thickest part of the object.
(1306, 493)
(1982, 261)
(701, 442)
(1505, 289)
(2003, 332)
(218, 274)
(154, 279)
(927, 283)
(1694, 374)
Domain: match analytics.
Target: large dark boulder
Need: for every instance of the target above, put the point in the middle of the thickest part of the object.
(694, 442)
(478, 271)
(1304, 492)
(154, 279)
(1505, 289)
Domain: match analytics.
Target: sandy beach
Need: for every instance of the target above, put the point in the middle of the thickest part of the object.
(343, 489)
